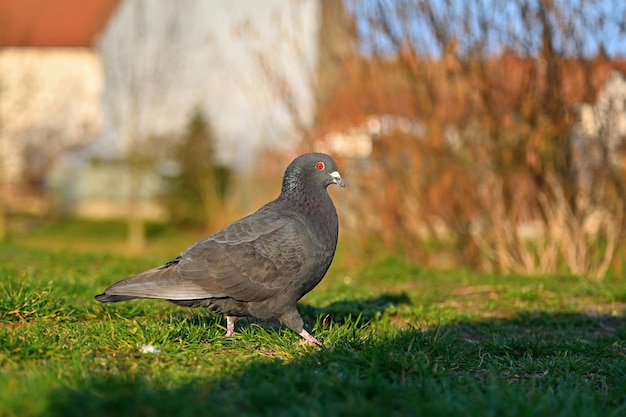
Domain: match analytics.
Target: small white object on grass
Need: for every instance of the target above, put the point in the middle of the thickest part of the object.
(150, 349)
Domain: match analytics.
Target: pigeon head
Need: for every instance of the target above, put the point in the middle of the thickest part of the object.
(316, 170)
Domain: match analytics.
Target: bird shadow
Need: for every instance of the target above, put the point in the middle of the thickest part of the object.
(340, 312)
(367, 309)
(370, 377)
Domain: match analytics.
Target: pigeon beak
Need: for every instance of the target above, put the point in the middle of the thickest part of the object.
(337, 179)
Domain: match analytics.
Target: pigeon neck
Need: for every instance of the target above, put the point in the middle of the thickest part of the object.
(305, 194)
(292, 182)
(305, 197)
(314, 202)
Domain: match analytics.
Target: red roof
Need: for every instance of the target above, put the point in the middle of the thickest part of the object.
(69, 23)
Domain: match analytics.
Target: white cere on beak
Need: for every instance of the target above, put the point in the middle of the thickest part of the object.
(337, 179)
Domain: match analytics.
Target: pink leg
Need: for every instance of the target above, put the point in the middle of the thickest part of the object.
(308, 339)
(230, 325)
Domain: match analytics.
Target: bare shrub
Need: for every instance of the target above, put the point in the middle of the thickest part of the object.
(559, 239)
(498, 174)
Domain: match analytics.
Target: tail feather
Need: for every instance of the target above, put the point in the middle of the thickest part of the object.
(164, 283)
(107, 298)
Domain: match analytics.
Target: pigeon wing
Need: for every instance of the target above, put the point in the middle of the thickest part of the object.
(251, 260)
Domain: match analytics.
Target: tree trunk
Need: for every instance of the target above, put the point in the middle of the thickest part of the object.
(136, 228)
(3, 220)
(3, 207)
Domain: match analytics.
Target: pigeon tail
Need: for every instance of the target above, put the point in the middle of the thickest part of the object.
(109, 298)
(163, 283)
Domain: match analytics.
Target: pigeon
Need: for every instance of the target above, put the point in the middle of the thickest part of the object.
(258, 266)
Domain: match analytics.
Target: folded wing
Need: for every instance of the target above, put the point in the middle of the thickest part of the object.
(250, 260)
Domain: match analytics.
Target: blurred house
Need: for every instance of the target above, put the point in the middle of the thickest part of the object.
(600, 134)
(80, 78)
(50, 88)
(605, 119)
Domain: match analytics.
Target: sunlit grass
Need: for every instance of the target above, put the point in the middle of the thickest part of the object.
(399, 339)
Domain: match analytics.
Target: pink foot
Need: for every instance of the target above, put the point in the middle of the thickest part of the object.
(308, 339)
(230, 325)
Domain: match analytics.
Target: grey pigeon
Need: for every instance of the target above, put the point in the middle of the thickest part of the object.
(258, 266)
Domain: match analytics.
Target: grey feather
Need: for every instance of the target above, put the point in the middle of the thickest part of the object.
(260, 265)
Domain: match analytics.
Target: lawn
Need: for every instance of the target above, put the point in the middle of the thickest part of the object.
(399, 339)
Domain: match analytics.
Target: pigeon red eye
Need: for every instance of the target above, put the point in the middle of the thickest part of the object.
(319, 166)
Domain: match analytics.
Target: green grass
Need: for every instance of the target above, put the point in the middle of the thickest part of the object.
(105, 236)
(398, 339)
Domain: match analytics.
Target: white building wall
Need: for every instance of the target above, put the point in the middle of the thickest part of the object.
(49, 101)
(227, 58)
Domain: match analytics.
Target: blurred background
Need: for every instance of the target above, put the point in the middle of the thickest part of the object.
(482, 133)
